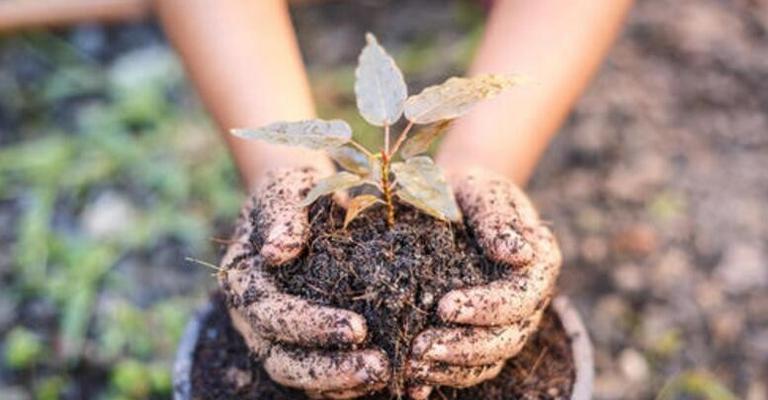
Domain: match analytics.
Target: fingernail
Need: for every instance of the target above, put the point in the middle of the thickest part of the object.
(455, 307)
(278, 254)
(277, 231)
(436, 351)
(420, 345)
(375, 368)
(419, 392)
(513, 249)
(353, 328)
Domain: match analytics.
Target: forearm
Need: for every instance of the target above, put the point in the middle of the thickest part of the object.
(243, 58)
(559, 45)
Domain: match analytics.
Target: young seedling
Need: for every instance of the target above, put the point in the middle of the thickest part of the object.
(382, 99)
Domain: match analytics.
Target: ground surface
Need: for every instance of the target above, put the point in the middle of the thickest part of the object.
(657, 189)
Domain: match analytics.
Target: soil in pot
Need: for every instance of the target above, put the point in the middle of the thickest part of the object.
(393, 276)
(223, 369)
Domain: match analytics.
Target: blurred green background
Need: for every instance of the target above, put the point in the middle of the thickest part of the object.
(111, 176)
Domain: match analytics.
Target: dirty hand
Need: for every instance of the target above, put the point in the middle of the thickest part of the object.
(269, 319)
(497, 317)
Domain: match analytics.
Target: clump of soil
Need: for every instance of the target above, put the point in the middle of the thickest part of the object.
(223, 369)
(394, 276)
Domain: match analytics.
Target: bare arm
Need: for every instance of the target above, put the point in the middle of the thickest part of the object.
(557, 43)
(244, 60)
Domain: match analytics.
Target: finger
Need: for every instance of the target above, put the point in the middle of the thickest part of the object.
(501, 216)
(452, 375)
(348, 394)
(281, 221)
(321, 372)
(255, 343)
(289, 319)
(420, 392)
(511, 299)
(474, 346)
(240, 244)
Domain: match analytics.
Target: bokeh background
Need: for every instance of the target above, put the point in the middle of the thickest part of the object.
(111, 176)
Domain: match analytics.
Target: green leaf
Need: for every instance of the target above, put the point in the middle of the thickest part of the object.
(23, 348)
(420, 142)
(340, 181)
(358, 205)
(422, 184)
(380, 88)
(352, 160)
(312, 133)
(455, 97)
(131, 378)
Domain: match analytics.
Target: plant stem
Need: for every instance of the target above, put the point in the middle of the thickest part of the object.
(361, 148)
(387, 189)
(401, 139)
(386, 139)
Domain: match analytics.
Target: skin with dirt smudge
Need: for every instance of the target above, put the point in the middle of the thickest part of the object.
(266, 317)
(502, 314)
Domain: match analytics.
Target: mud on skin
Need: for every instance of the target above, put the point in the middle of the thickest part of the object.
(393, 277)
(223, 369)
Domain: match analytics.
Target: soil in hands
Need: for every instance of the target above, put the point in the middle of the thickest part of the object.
(223, 369)
(394, 276)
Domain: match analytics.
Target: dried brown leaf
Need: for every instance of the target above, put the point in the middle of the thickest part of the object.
(380, 88)
(313, 133)
(455, 97)
(340, 181)
(419, 143)
(358, 205)
(422, 184)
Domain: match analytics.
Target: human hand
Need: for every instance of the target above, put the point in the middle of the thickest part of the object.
(501, 315)
(268, 319)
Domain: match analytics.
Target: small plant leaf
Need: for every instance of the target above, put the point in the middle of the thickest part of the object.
(352, 160)
(420, 142)
(455, 97)
(420, 204)
(375, 175)
(340, 181)
(423, 185)
(312, 133)
(358, 205)
(379, 86)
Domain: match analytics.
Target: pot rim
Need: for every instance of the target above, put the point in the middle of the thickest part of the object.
(573, 325)
(581, 346)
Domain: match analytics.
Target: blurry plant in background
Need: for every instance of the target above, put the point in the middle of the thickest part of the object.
(107, 179)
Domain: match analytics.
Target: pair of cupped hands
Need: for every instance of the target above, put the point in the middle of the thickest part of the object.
(484, 325)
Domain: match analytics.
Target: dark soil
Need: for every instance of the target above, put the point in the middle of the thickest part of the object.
(391, 276)
(223, 369)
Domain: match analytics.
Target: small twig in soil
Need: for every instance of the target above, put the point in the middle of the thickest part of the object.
(536, 363)
(204, 263)
(222, 241)
(317, 289)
